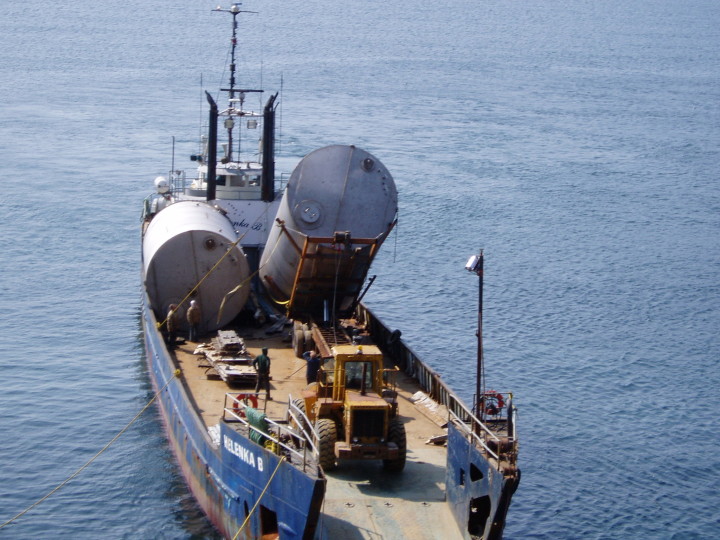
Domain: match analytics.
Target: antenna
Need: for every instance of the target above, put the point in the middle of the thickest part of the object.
(229, 124)
(234, 11)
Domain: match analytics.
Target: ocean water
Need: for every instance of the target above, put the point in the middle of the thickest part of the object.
(576, 142)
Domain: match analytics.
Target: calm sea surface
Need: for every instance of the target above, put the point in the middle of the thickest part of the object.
(576, 142)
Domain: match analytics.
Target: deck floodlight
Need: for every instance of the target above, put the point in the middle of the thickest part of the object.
(473, 264)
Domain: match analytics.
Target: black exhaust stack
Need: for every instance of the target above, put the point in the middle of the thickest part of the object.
(268, 162)
(212, 149)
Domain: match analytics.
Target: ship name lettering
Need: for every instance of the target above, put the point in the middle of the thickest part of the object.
(241, 452)
(242, 224)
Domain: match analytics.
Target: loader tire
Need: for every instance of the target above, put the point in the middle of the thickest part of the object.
(327, 433)
(396, 434)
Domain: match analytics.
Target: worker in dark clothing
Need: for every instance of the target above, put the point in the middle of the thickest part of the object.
(262, 366)
(313, 366)
(171, 323)
(193, 318)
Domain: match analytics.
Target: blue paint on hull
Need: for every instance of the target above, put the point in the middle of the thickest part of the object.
(227, 480)
(476, 490)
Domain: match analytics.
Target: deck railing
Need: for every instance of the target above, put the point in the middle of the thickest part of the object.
(307, 454)
(435, 387)
(179, 181)
(309, 435)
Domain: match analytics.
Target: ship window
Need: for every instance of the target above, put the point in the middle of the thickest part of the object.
(475, 473)
(461, 480)
(237, 180)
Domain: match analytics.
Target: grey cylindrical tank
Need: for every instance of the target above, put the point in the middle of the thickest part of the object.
(181, 244)
(333, 189)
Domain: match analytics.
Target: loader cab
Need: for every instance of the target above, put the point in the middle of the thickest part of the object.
(359, 375)
(357, 368)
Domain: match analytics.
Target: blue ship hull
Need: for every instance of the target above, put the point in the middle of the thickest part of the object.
(478, 493)
(228, 479)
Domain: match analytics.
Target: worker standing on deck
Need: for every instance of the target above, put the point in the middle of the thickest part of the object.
(313, 366)
(262, 366)
(171, 324)
(193, 318)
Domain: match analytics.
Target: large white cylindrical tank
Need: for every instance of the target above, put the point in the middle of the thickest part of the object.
(333, 189)
(181, 245)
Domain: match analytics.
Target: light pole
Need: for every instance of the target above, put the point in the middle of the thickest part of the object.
(475, 265)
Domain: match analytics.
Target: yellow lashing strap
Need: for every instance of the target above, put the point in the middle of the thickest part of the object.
(241, 285)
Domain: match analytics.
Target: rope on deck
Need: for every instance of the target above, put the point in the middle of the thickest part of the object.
(115, 438)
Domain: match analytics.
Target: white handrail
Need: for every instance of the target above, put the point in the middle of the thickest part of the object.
(474, 435)
(280, 430)
(309, 438)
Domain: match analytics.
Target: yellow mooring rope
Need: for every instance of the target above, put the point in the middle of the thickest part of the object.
(259, 499)
(115, 438)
